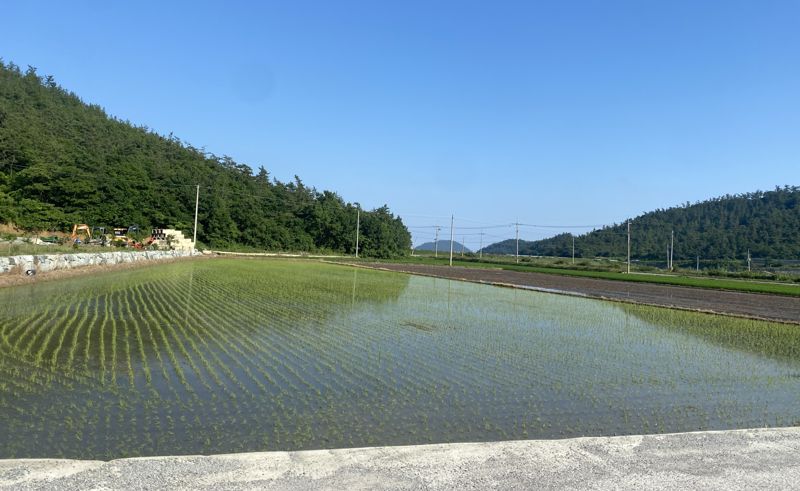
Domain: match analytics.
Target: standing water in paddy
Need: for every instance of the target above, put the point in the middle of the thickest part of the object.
(243, 355)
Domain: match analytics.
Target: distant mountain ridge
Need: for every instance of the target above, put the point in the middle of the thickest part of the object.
(766, 223)
(444, 246)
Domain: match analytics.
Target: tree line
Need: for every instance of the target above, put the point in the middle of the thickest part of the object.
(63, 161)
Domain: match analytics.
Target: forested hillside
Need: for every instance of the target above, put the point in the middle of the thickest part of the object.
(765, 223)
(63, 161)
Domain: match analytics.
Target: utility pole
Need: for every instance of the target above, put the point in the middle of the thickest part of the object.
(480, 251)
(517, 225)
(629, 246)
(358, 227)
(436, 243)
(698, 264)
(668, 266)
(463, 240)
(748, 260)
(196, 207)
(671, 250)
(573, 249)
(452, 221)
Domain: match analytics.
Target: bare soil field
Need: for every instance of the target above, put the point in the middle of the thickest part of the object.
(751, 305)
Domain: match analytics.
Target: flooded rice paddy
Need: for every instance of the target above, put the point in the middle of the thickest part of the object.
(235, 355)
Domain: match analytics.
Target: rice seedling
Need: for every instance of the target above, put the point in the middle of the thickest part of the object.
(237, 355)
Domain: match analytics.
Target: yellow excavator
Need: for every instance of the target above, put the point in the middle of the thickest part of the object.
(80, 227)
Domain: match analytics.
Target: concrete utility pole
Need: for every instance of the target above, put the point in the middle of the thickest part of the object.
(452, 221)
(463, 240)
(517, 225)
(436, 243)
(480, 251)
(671, 249)
(629, 246)
(698, 264)
(196, 207)
(358, 227)
(573, 249)
(748, 260)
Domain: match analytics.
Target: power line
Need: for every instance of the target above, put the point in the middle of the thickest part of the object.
(487, 226)
(561, 226)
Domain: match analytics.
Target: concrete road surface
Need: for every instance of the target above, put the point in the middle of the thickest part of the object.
(740, 459)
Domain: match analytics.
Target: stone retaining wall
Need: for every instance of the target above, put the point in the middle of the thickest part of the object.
(51, 262)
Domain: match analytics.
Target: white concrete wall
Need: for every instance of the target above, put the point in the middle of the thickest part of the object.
(51, 262)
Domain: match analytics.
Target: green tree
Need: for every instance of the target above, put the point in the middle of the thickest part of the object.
(64, 161)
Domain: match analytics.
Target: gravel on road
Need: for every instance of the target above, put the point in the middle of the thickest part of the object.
(737, 459)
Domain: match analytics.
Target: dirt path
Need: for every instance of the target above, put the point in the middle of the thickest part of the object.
(753, 305)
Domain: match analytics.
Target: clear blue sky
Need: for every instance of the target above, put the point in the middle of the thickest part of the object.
(558, 113)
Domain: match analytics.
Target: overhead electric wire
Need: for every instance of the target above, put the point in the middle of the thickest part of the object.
(559, 226)
(486, 227)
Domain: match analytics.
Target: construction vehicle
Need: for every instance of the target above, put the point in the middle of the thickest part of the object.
(99, 237)
(80, 227)
(125, 237)
(121, 238)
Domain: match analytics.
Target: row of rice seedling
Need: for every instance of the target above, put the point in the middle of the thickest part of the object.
(231, 371)
(38, 335)
(284, 333)
(316, 375)
(94, 323)
(82, 320)
(134, 341)
(196, 340)
(213, 326)
(160, 311)
(158, 330)
(13, 332)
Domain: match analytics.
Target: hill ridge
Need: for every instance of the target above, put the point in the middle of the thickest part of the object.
(765, 223)
(63, 161)
(444, 245)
